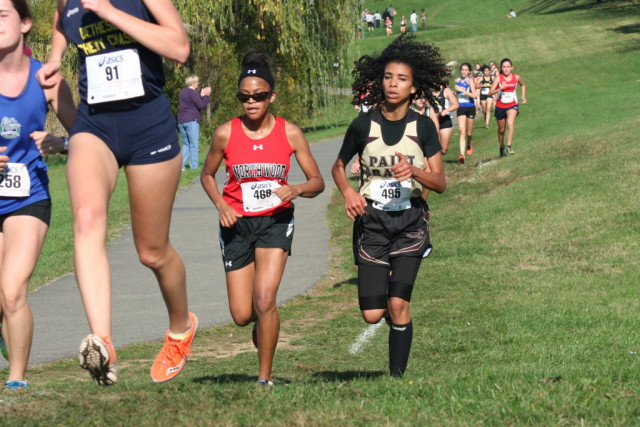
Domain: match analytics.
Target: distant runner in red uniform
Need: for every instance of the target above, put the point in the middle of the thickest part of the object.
(507, 103)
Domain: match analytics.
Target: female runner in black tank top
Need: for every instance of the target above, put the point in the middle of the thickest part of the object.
(446, 103)
(403, 70)
(484, 86)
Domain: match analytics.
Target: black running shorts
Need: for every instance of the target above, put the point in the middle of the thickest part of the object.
(40, 209)
(445, 122)
(470, 112)
(238, 243)
(381, 235)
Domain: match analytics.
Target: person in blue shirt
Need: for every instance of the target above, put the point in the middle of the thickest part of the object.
(25, 203)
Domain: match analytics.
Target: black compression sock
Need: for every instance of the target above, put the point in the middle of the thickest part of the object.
(400, 338)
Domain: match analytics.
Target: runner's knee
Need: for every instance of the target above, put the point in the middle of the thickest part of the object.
(88, 218)
(154, 257)
(13, 300)
(264, 303)
(373, 316)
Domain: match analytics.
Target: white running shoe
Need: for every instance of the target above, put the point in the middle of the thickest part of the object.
(98, 358)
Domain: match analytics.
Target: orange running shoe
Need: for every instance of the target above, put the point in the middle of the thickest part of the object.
(98, 356)
(469, 149)
(173, 356)
(461, 159)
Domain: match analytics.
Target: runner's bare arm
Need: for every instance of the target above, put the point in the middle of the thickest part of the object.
(167, 38)
(354, 203)
(494, 87)
(46, 74)
(432, 180)
(523, 89)
(61, 101)
(220, 139)
(315, 183)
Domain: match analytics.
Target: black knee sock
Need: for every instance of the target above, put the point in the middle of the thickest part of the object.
(400, 338)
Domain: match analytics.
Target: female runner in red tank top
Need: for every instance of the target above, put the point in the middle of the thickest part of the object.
(255, 209)
(506, 109)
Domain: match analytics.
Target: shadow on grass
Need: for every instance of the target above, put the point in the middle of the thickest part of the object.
(347, 375)
(604, 7)
(627, 29)
(234, 379)
(351, 281)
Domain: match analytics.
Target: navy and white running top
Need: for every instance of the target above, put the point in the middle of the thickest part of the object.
(24, 181)
(116, 72)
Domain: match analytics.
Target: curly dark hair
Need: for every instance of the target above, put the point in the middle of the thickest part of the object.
(425, 60)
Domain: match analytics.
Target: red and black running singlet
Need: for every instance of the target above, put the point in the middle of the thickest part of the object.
(507, 97)
(256, 167)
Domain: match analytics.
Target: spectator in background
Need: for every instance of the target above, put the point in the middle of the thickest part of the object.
(191, 103)
(511, 14)
(414, 21)
(392, 12)
(368, 17)
(423, 18)
(385, 15)
(377, 18)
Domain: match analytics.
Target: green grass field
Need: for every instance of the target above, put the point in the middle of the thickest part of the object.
(525, 314)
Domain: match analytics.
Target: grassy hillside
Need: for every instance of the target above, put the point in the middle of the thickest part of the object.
(525, 313)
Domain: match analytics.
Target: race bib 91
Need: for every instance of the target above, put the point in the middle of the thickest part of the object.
(259, 196)
(114, 76)
(15, 181)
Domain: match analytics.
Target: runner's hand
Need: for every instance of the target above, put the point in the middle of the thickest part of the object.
(99, 7)
(3, 159)
(355, 167)
(47, 143)
(402, 170)
(354, 204)
(228, 216)
(46, 72)
(287, 192)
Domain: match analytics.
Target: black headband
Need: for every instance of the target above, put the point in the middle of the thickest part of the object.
(262, 73)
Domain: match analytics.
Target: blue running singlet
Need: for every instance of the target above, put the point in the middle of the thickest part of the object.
(24, 181)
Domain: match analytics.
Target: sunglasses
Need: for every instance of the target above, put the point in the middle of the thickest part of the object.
(258, 97)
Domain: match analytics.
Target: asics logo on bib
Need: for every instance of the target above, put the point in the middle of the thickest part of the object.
(109, 60)
(391, 184)
(258, 147)
(259, 186)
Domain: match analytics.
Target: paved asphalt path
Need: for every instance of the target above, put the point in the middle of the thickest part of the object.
(138, 312)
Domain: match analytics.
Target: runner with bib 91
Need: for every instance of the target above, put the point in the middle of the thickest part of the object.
(394, 144)
(125, 120)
